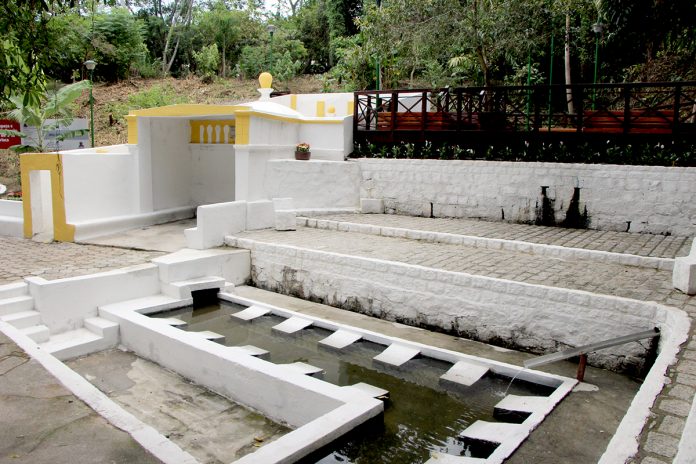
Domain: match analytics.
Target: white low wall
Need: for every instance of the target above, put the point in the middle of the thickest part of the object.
(11, 218)
(654, 199)
(212, 173)
(532, 317)
(314, 184)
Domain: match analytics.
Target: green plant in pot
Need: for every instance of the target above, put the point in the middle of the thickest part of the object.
(302, 152)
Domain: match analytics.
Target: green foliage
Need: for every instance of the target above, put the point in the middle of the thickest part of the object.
(57, 105)
(207, 61)
(16, 77)
(354, 69)
(646, 154)
(118, 43)
(155, 96)
(282, 58)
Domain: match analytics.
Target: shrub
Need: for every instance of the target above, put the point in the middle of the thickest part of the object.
(207, 61)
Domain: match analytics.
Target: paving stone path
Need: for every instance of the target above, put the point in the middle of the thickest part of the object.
(21, 258)
(657, 246)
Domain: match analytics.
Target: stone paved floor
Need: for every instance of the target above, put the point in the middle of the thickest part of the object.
(658, 246)
(21, 258)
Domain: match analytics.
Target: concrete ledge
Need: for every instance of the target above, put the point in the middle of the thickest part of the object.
(95, 228)
(492, 243)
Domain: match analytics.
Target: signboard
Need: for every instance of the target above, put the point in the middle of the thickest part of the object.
(50, 141)
(5, 141)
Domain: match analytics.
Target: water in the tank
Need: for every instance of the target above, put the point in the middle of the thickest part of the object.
(421, 414)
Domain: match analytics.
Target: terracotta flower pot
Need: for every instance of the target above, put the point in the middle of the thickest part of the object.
(303, 155)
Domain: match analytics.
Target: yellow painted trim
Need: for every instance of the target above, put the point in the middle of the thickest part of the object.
(132, 122)
(242, 130)
(276, 117)
(196, 125)
(350, 107)
(293, 101)
(321, 112)
(62, 231)
(187, 110)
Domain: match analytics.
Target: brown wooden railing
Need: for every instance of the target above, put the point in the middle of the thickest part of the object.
(458, 114)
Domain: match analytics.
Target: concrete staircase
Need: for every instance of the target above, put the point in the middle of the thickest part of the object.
(17, 309)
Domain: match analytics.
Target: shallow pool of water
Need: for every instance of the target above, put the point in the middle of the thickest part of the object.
(421, 414)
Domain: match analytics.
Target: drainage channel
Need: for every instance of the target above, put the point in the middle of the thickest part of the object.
(422, 413)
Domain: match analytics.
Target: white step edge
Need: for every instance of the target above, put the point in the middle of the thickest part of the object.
(397, 355)
(173, 321)
(183, 288)
(465, 373)
(441, 458)
(23, 319)
(529, 404)
(494, 432)
(38, 333)
(16, 304)
(369, 390)
(251, 350)
(304, 368)
(149, 304)
(292, 325)
(209, 335)
(251, 313)
(341, 339)
(102, 327)
(76, 343)
(13, 290)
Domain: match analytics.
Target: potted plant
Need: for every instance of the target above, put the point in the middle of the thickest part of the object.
(302, 152)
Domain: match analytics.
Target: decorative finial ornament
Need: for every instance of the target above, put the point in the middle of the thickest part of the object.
(265, 80)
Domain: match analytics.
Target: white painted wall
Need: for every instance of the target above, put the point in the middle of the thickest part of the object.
(171, 161)
(531, 317)
(263, 131)
(65, 303)
(11, 218)
(253, 161)
(307, 103)
(212, 173)
(329, 141)
(655, 199)
(314, 184)
(99, 185)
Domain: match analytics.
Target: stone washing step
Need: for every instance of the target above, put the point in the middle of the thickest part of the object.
(465, 373)
(251, 350)
(183, 288)
(304, 368)
(38, 333)
(493, 432)
(397, 355)
(292, 325)
(251, 313)
(13, 290)
(74, 343)
(173, 321)
(369, 390)
(23, 319)
(442, 458)
(148, 304)
(209, 335)
(16, 304)
(530, 404)
(341, 339)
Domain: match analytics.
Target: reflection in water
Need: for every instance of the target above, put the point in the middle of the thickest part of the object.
(421, 414)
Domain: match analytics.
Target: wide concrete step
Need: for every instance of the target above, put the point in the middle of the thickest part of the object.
(341, 339)
(251, 313)
(464, 373)
(74, 343)
(13, 290)
(397, 355)
(292, 325)
(516, 408)
(23, 319)
(16, 304)
(38, 333)
(102, 327)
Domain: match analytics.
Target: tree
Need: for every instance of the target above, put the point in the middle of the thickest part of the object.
(57, 106)
(224, 27)
(178, 21)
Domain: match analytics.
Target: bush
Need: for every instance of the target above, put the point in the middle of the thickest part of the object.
(286, 60)
(207, 61)
(157, 95)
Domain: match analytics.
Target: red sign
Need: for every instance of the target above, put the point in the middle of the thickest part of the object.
(5, 141)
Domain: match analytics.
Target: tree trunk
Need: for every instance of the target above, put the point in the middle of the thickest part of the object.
(568, 79)
(224, 61)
